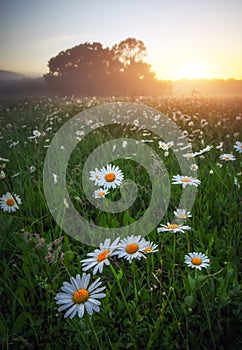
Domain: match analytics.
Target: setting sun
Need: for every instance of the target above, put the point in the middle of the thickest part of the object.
(192, 70)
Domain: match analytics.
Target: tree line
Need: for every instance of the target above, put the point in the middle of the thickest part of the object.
(90, 69)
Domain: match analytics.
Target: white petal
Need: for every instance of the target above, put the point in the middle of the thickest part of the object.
(72, 311)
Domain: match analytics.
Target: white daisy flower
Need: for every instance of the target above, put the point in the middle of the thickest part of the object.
(173, 228)
(95, 175)
(188, 155)
(36, 133)
(227, 157)
(100, 257)
(182, 214)
(132, 247)
(100, 193)
(193, 167)
(77, 297)
(165, 146)
(150, 247)
(185, 180)
(111, 176)
(9, 202)
(197, 260)
(238, 146)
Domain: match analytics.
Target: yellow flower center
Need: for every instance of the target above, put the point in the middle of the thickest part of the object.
(102, 256)
(172, 226)
(196, 261)
(80, 296)
(97, 177)
(132, 248)
(147, 250)
(182, 216)
(185, 179)
(227, 158)
(10, 202)
(110, 177)
(101, 194)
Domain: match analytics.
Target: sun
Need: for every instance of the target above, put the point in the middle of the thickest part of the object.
(192, 70)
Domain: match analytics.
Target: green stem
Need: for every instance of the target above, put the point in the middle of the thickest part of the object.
(125, 303)
(94, 332)
(174, 259)
(208, 320)
(121, 291)
(134, 271)
(73, 323)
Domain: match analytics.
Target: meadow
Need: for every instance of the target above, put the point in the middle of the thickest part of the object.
(152, 299)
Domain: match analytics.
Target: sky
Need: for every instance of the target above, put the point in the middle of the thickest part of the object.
(184, 38)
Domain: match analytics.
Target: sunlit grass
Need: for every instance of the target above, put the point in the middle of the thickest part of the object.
(168, 305)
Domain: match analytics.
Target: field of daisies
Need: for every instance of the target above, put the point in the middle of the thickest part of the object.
(176, 287)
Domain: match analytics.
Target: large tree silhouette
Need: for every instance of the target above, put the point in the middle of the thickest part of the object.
(90, 69)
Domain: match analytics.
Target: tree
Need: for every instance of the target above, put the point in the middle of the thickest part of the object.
(129, 51)
(90, 69)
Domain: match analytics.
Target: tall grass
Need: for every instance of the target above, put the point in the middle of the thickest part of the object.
(154, 303)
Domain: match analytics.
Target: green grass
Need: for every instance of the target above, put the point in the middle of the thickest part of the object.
(154, 303)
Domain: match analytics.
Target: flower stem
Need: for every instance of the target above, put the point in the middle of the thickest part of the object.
(121, 290)
(75, 325)
(125, 304)
(94, 332)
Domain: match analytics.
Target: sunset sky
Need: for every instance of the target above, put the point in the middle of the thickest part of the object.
(184, 38)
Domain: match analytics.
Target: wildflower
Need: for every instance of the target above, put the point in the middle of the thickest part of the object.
(100, 257)
(238, 146)
(100, 193)
(204, 123)
(111, 176)
(182, 214)
(185, 180)
(32, 169)
(36, 133)
(132, 247)
(165, 146)
(95, 175)
(173, 228)
(150, 247)
(227, 157)
(193, 167)
(2, 175)
(188, 155)
(79, 133)
(197, 260)
(211, 171)
(77, 297)
(9, 202)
